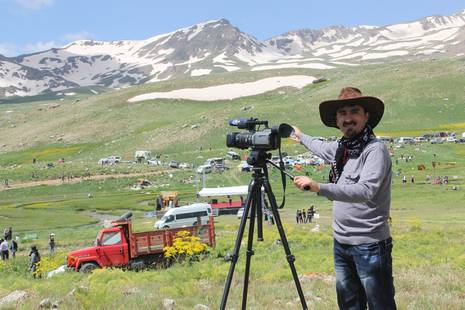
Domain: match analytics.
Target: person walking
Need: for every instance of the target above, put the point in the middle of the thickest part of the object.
(34, 259)
(304, 216)
(4, 249)
(360, 188)
(297, 216)
(13, 248)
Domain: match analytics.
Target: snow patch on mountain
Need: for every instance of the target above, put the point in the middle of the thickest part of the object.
(199, 72)
(230, 91)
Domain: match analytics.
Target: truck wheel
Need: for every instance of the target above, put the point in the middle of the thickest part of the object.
(166, 226)
(195, 223)
(88, 267)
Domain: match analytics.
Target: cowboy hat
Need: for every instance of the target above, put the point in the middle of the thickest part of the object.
(351, 96)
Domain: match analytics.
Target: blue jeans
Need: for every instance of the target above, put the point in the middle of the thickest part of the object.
(364, 275)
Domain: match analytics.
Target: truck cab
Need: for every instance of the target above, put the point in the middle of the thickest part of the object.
(110, 249)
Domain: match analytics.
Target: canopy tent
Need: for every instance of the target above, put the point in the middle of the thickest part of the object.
(224, 191)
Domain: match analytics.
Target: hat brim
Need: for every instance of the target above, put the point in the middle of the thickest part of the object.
(372, 105)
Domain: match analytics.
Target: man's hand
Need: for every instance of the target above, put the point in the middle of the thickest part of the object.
(305, 183)
(295, 135)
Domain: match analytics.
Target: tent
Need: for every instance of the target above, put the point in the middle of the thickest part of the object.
(224, 191)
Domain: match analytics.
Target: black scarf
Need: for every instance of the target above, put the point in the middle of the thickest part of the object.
(349, 148)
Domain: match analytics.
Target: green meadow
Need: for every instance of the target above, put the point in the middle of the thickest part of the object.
(427, 225)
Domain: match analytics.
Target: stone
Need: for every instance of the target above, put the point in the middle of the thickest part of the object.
(14, 297)
(131, 291)
(201, 307)
(45, 303)
(168, 304)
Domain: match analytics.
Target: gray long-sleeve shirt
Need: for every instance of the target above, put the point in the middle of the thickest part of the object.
(362, 195)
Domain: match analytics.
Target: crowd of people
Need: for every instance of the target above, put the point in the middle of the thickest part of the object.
(9, 245)
(305, 216)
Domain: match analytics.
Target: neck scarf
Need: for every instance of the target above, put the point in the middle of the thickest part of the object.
(349, 148)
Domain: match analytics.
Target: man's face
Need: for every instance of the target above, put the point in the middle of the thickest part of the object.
(351, 120)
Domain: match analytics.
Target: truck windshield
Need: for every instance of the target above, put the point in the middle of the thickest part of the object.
(111, 238)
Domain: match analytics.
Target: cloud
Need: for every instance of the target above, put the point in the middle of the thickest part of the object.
(8, 49)
(11, 50)
(34, 4)
(83, 35)
(40, 46)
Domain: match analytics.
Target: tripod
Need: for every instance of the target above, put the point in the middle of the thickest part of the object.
(253, 208)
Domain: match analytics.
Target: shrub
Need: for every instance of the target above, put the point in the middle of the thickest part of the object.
(415, 224)
(48, 264)
(185, 247)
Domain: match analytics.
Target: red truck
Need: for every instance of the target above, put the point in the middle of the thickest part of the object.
(119, 246)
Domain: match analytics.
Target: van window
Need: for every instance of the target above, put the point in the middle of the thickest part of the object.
(190, 215)
(168, 218)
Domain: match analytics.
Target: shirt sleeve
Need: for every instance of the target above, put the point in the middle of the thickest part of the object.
(373, 173)
(322, 149)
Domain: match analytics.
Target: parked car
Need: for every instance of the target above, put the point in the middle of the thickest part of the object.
(154, 162)
(174, 164)
(233, 155)
(204, 169)
(244, 166)
(240, 212)
(437, 141)
(109, 160)
(184, 165)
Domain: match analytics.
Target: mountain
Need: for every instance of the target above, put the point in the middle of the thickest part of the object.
(217, 46)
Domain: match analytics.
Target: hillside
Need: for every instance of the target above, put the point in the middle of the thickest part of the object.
(419, 96)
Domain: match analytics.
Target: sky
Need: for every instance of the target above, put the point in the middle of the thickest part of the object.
(28, 26)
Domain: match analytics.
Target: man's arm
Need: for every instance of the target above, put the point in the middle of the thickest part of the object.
(324, 150)
(372, 175)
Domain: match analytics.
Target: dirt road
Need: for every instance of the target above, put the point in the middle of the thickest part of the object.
(55, 182)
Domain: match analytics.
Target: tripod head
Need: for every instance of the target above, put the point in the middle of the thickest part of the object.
(258, 158)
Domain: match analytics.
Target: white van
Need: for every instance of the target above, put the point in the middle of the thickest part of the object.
(204, 169)
(185, 216)
(406, 140)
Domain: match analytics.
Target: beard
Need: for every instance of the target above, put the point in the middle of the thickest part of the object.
(350, 133)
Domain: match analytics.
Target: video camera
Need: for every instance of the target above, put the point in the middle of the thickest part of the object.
(267, 139)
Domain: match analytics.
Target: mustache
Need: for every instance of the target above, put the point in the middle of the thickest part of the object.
(348, 123)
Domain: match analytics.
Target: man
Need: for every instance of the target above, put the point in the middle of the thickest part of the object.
(34, 259)
(13, 248)
(51, 243)
(360, 188)
(4, 249)
(311, 213)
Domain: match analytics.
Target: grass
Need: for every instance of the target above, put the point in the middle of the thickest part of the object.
(106, 124)
(427, 220)
(429, 261)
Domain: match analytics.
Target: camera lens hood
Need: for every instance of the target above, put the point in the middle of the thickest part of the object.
(285, 130)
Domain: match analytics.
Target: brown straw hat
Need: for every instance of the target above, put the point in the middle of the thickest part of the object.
(350, 96)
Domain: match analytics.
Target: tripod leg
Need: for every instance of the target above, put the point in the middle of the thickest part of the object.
(290, 258)
(259, 209)
(255, 204)
(237, 245)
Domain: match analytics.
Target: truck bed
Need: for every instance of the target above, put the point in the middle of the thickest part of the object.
(153, 242)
